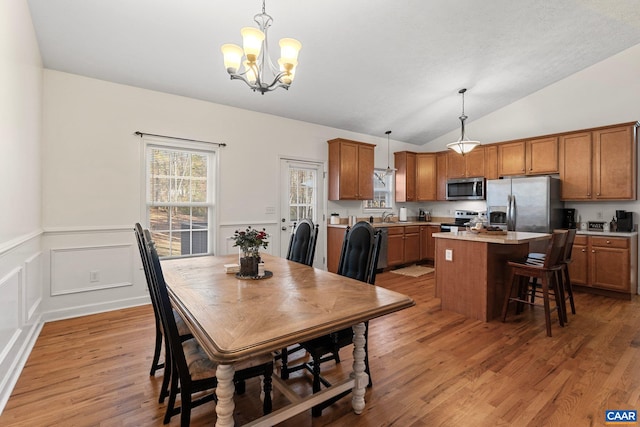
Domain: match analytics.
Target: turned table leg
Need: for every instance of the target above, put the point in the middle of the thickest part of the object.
(361, 378)
(224, 391)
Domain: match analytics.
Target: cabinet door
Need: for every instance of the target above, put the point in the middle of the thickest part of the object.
(455, 165)
(365, 172)
(614, 163)
(348, 171)
(575, 166)
(578, 268)
(411, 244)
(335, 237)
(426, 177)
(441, 160)
(395, 246)
(511, 158)
(542, 156)
(405, 164)
(474, 163)
(491, 162)
(609, 268)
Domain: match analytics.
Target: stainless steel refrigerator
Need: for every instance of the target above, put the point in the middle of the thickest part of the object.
(525, 204)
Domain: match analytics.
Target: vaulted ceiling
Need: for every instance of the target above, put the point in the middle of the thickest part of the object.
(365, 65)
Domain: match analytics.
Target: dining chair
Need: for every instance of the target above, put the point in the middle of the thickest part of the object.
(358, 260)
(302, 244)
(193, 372)
(183, 330)
(548, 272)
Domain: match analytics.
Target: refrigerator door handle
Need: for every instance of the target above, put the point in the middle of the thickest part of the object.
(509, 212)
(514, 212)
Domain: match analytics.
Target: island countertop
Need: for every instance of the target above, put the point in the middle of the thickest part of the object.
(511, 238)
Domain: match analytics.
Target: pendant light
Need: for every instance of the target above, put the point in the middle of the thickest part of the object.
(389, 171)
(463, 146)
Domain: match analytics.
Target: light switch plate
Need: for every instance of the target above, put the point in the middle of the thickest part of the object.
(448, 254)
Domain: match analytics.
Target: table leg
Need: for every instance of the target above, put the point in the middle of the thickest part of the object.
(360, 376)
(224, 391)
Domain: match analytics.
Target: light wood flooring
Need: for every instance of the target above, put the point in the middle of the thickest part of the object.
(429, 367)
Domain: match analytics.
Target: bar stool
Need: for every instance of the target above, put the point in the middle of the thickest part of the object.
(549, 275)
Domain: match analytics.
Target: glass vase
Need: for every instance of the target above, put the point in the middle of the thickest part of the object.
(249, 259)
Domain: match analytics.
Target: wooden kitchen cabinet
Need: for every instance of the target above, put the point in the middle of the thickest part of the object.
(411, 244)
(426, 177)
(511, 158)
(405, 164)
(427, 242)
(541, 156)
(350, 170)
(599, 164)
(441, 166)
(395, 246)
(491, 162)
(605, 265)
(468, 166)
(335, 237)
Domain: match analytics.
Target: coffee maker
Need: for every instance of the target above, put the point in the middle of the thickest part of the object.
(624, 220)
(568, 218)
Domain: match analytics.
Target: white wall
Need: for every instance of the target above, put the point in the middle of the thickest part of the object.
(20, 228)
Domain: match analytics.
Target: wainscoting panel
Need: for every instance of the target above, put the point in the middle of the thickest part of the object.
(83, 269)
(33, 286)
(10, 313)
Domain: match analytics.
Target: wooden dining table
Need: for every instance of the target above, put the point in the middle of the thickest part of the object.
(235, 319)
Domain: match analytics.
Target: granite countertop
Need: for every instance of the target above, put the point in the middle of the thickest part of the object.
(511, 238)
(390, 224)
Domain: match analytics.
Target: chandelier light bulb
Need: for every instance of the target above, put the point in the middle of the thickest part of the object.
(232, 57)
(252, 39)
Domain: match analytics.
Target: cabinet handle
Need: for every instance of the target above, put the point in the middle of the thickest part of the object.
(593, 251)
(584, 250)
(597, 194)
(608, 242)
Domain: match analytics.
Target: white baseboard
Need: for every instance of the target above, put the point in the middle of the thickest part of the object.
(85, 310)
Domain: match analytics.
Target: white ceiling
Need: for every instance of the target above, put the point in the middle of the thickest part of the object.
(365, 65)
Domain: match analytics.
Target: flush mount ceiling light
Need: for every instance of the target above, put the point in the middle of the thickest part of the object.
(463, 146)
(258, 70)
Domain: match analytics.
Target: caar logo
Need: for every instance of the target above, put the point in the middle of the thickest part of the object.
(620, 416)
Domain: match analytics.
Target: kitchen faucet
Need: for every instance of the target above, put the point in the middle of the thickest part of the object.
(386, 217)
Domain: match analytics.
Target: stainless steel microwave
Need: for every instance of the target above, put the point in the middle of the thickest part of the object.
(466, 189)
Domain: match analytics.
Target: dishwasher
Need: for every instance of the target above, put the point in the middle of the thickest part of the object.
(384, 241)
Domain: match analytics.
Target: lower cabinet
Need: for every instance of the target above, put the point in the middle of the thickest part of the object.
(427, 242)
(395, 246)
(335, 238)
(411, 244)
(605, 265)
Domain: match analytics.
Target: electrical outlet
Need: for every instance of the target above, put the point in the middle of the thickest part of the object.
(448, 254)
(270, 210)
(94, 276)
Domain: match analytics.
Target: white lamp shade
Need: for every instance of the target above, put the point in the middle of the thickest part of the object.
(289, 50)
(463, 147)
(232, 57)
(252, 39)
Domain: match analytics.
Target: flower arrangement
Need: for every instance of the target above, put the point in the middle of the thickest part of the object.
(251, 240)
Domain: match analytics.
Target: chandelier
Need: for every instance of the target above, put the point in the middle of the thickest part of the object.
(258, 71)
(463, 146)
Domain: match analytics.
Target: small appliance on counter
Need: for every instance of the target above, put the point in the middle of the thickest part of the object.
(424, 215)
(624, 221)
(568, 218)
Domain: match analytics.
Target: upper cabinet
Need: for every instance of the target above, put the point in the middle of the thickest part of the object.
(467, 166)
(416, 176)
(599, 164)
(426, 177)
(531, 157)
(441, 167)
(491, 162)
(350, 170)
(405, 164)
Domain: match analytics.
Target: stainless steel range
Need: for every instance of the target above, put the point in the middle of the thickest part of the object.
(460, 218)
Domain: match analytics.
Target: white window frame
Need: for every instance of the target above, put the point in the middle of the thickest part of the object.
(391, 191)
(213, 181)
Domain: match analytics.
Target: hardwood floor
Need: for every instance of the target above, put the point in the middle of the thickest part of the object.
(429, 367)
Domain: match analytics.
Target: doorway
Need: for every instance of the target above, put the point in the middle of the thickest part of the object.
(302, 189)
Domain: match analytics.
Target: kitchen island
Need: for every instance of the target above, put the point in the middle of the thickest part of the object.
(471, 269)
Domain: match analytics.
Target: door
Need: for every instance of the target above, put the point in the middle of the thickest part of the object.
(301, 197)
(532, 203)
(498, 198)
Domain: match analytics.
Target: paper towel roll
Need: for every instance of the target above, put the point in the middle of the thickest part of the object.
(403, 214)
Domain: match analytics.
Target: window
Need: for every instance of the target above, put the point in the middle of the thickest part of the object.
(383, 191)
(179, 199)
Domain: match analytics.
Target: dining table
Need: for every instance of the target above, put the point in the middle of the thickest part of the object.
(235, 318)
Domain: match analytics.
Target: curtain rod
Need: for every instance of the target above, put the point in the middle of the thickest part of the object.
(219, 144)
